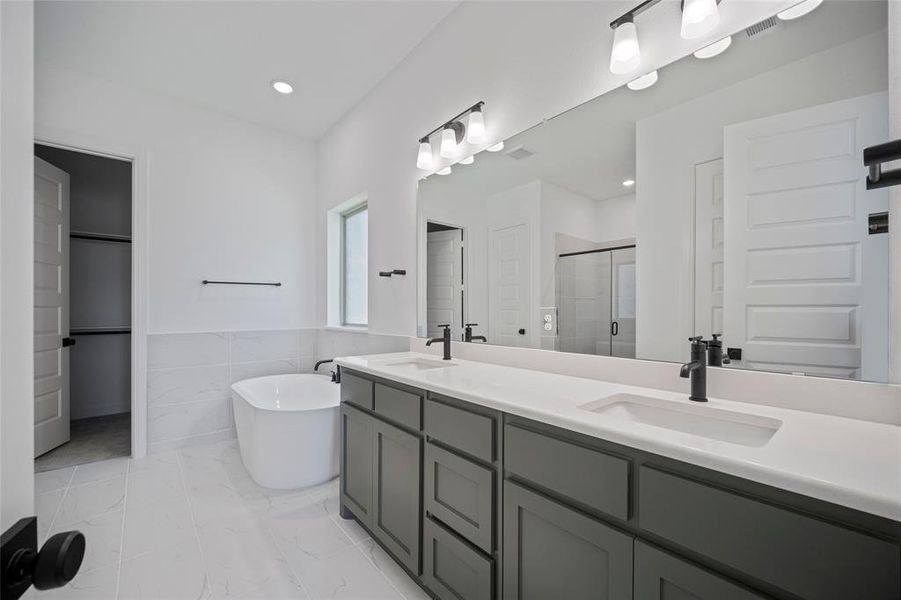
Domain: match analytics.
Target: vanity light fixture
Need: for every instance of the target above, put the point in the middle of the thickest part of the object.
(799, 10)
(625, 56)
(629, 182)
(282, 87)
(424, 160)
(714, 49)
(497, 147)
(444, 171)
(699, 17)
(468, 160)
(643, 82)
(475, 127)
(453, 132)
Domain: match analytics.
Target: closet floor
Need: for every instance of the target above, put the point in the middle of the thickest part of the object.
(90, 440)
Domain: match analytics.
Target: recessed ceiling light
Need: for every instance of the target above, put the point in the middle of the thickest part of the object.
(497, 147)
(468, 160)
(628, 182)
(715, 48)
(643, 82)
(799, 10)
(282, 87)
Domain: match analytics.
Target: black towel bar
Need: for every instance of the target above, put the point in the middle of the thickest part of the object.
(270, 283)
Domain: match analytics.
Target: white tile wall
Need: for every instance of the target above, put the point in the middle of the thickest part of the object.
(189, 374)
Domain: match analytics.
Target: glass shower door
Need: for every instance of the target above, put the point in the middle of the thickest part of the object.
(622, 326)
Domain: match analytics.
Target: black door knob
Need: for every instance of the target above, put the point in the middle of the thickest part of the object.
(522, 332)
(59, 560)
(67, 341)
(23, 565)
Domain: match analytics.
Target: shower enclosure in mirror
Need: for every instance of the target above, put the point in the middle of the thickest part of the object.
(728, 198)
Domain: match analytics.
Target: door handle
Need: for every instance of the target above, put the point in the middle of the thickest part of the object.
(522, 332)
(68, 341)
(22, 565)
(614, 328)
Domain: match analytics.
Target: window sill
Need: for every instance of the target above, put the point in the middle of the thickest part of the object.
(351, 328)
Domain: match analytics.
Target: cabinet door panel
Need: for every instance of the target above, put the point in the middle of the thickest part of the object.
(356, 462)
(460, 493)
(452, 570)
(397, 492)
(552, 551)
(356, 390)
(662, 576)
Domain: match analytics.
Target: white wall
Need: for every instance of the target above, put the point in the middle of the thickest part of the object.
(669, 145)
(526, 64)
(226, 200)
(615, 218)
(16, 267)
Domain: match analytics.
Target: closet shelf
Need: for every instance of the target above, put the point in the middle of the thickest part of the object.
(100, 237)
(99, 330)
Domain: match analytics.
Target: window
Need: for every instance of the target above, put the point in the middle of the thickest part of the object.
(354, 266)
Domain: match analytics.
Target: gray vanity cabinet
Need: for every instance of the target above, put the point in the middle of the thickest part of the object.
(553, 551)
(356, 463)
(396, 515)
(660, 575)
(452, 569)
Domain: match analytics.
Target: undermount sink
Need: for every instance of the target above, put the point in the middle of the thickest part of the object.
(419, 364)
(700, 420)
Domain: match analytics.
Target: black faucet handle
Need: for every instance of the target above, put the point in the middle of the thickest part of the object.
(698, 339)
(471, 325)
(445, 325)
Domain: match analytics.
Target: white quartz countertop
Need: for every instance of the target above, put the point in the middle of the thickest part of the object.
(845, 461)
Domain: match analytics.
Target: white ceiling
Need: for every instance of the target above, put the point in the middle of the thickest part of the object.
(223, 55)
(591, 148)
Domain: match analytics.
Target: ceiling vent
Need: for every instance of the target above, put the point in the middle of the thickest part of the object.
(519, 153)
(766, 26)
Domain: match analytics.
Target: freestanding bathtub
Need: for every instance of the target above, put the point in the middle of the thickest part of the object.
(288, 429)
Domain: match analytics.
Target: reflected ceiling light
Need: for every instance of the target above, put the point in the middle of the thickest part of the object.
(625, 56)
(282, 87)
(468, 160)
(628, 182)
(424, 160)
(497, 147)
(715, 48)
(699, 17)
(799, 10)
(444, 171)
(475, 127)
(643, 82)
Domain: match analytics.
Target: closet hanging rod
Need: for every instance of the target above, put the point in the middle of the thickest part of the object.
(100, 237)
(270, 283)
(100, 331)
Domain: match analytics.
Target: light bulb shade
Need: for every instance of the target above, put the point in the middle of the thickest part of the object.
(715, 48)
(444, 171)
(625, 55)
(424, 160)
(699, 17)
(475, 127)
(497, 147)
(799, 10)
(468, 160)
(448, 142)
(643, 82)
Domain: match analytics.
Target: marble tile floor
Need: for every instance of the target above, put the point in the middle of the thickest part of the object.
(191, 524)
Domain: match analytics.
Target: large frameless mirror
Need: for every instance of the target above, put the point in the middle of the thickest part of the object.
(727, 198)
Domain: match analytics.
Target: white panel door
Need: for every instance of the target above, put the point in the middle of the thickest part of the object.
(444, 282)
(709, 248)
(509, 285)
(805, 286)
(51, 306)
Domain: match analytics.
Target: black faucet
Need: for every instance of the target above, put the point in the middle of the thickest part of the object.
(446, 339)
(715, 355)
(336, 374)
(467, 334)
(697, 369)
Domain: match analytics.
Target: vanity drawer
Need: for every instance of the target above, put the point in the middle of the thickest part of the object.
(469, 432)
(592, 478)
(453, 570)
(460, 494)
(398, 405)
(356, 390)
(802, 555)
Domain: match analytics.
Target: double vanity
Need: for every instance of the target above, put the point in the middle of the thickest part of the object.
(485, 481)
